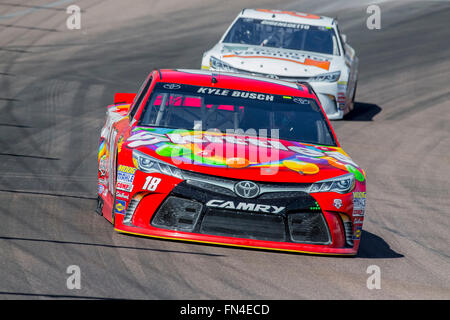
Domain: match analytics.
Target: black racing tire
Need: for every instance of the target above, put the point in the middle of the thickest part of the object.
(354, 95)
(113, 213)
(99, 209)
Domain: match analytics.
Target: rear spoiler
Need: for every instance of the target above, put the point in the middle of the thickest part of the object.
(125, 98)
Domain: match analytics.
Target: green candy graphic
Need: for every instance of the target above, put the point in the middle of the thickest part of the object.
(170, 150)
(143, 129)
(358, 175)
(206, 160)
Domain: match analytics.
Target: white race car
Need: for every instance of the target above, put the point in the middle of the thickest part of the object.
(291, 46)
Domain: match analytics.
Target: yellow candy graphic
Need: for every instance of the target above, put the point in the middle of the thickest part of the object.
(237, 162)
(300, 166)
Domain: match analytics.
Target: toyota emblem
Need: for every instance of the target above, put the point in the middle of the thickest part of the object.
(246, 189)
(172, 86)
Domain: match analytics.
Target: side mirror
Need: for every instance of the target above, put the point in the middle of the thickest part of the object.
(125, 98)
(344, 38)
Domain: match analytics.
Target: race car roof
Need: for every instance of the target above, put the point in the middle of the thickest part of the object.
(287, 16)
(228, 80)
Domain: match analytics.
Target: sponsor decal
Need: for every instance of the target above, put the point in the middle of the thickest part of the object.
(236, 94)
(285, 24)
(244, 206)
(357, 233)
(101, 188)
(124, 186)
(337, 203)
(125, 177)
(301, 101)
(358, 221)
(358, 213)
(126, 169)
(359, 200)
(120, 206)
(123, 195)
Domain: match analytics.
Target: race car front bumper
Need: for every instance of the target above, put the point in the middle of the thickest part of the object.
(332, 97)
(195, 213)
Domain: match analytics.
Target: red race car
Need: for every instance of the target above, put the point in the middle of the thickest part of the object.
(229, 159)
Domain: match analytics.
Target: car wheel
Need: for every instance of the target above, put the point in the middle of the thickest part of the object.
(99, 208)
(113, 213)
(354, 94)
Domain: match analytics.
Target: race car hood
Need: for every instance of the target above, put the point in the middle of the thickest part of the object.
(281, 62)
(242, 157)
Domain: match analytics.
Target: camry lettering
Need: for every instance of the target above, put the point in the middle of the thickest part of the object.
(244, 206)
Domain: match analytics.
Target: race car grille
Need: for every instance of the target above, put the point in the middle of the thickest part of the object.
(194, 209)
(211, 187)
(177, 214)
(281, 195)
(308, 227)
(243, 225)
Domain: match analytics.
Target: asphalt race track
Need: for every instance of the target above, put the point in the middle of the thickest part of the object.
(55, 84)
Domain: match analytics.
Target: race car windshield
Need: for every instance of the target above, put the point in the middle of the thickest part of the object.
(285, 35)
(205, 108)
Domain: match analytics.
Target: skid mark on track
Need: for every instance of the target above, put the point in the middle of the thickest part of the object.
(32, 9)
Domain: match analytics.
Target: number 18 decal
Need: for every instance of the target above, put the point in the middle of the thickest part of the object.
(151, 183)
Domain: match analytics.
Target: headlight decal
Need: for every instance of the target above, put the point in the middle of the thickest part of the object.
(148, 164)
(327, 77)
(342, 184)
(217, 64)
